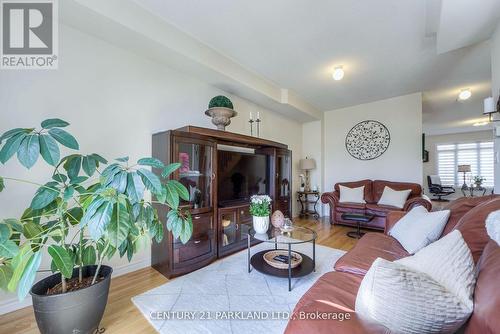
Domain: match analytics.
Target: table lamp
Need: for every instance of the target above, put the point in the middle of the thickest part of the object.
(307, 165)
(464, 169)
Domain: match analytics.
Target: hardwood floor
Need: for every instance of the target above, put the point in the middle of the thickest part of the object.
(121, 315)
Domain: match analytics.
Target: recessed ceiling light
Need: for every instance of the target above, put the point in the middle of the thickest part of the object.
(480, 124)
(338, 73)
(464, 94)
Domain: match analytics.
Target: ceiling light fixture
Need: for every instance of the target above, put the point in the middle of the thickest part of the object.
(464, 94)
(338, 73)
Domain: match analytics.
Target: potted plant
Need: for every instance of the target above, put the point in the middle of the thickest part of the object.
(478, 180)
(88, 211)
(260, 208)
(220, 108)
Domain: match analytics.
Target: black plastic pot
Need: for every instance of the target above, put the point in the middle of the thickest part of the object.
(76, 312)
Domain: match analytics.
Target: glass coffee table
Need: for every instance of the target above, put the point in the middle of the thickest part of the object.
(298, 235)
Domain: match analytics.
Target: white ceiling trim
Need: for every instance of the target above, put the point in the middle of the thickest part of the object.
(130, 26)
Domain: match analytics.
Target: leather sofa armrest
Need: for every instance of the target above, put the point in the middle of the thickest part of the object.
(416, 201)
(330, 198)
(392, 218)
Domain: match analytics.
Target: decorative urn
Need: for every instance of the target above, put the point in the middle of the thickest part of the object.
(221, 110)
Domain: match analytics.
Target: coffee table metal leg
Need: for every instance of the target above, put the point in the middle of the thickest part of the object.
(289, 267)
(248, 246)
(275, 243)
(314, 254)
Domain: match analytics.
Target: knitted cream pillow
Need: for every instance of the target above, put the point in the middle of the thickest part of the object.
(430, 292)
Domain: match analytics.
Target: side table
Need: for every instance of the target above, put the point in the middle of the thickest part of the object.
(305, 198)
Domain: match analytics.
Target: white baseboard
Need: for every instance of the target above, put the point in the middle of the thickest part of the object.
(13, 304)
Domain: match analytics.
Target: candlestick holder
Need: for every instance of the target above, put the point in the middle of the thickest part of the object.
(251, 121)
(258, 126)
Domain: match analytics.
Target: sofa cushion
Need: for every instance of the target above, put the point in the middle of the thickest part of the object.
(356, 184)
(333, 293)
(370, 247)
(473, 226)
(346, 206)
(379, 185)
(486, 316)
(380, 210)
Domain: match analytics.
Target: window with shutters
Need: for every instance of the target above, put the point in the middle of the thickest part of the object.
(478, 155)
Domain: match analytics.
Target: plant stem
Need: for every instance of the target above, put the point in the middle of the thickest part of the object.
(80, 267)
(99, 264)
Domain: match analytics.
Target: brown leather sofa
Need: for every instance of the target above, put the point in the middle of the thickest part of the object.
(373, 192)
(335, 292)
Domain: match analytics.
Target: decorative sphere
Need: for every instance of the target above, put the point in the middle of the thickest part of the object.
(278, 219)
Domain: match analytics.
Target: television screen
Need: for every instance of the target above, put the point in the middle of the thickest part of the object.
(241, 175)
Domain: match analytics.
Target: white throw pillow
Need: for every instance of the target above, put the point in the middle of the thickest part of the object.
(430, 292)
(352, 195)
(418, 228)
(393, 197)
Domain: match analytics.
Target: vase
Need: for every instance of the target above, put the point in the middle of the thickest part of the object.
(221, 117)
(260, 224)
(77, 311)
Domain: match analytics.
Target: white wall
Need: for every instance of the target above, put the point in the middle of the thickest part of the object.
(403, 159)
(431, 167)
(312, 147)
(114, 101)
(495, 88)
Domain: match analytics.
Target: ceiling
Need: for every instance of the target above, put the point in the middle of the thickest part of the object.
(388, 48)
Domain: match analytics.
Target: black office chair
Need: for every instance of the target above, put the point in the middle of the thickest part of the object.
(437, 189)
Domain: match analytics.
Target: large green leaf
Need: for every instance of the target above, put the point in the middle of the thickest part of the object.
(44, 196)
(29, 150)
(19, 263)
(11, 146)
(5, 275)
(172, 196)
(54, 123)
(180, 188)
(187, 230)
(153, 162)
(89, 256)
(2, 184)
(72, 165)
(91, 210)
(100, 220)
(49, 150)
(62, 260)
(28, 276)
(12, 133)
(89, 165)
(5, 232)
(169, 169)
(8, 249)
(119, 226)
(74, 215)
(64, 138)
(135, 187)
(98, 158)
(151, 181)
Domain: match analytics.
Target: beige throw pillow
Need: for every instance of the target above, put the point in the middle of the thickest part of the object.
(393, 197)
(430, 292)
(352, 195)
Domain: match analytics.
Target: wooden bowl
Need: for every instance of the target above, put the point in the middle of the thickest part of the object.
(269, 258)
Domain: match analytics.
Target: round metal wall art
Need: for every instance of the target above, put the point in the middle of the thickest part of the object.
(367, 140)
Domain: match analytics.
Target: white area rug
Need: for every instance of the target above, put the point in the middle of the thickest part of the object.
(226, 286)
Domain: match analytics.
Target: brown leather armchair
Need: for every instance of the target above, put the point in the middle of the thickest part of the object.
(372, 193)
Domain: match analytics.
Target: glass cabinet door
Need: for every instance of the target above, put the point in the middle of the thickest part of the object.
(229, 229)
(196, 172)
(283, 173)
